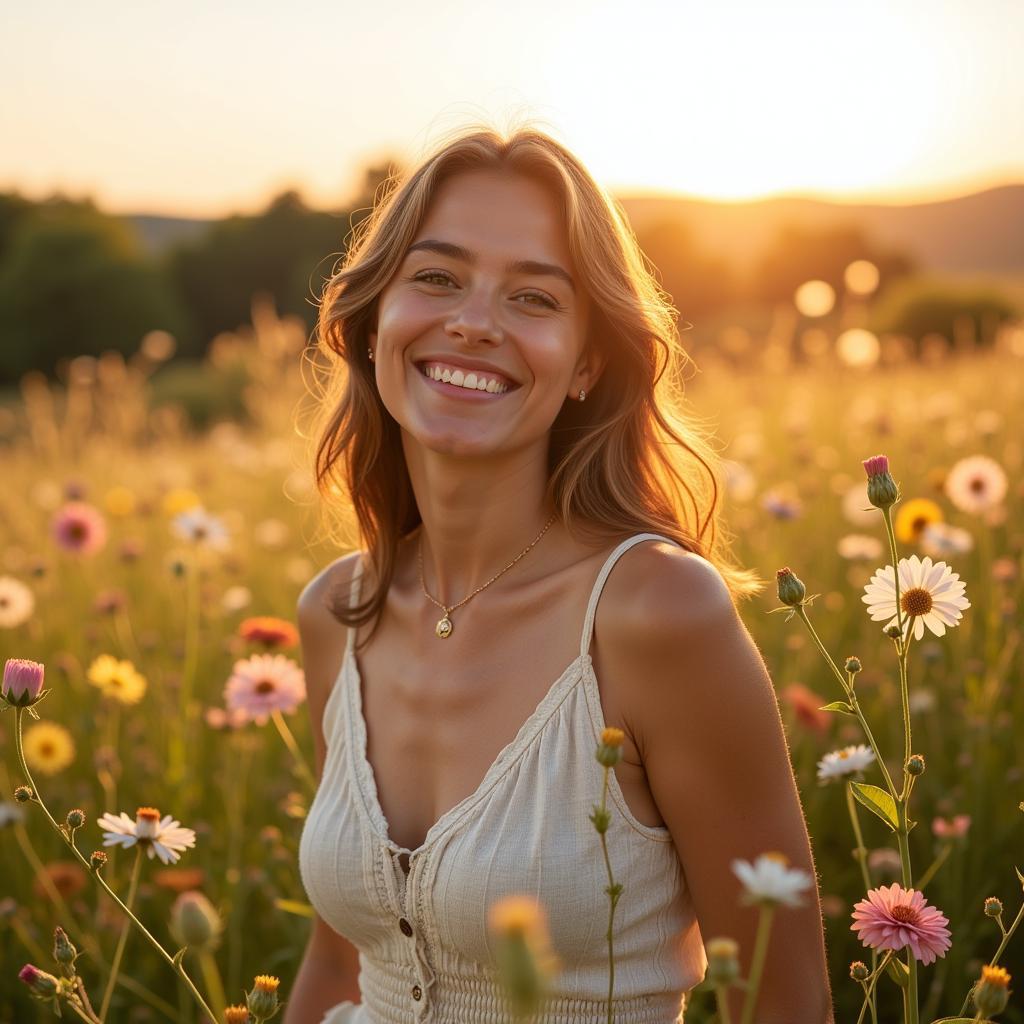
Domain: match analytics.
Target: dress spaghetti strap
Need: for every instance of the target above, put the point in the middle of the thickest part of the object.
(354, 593)
(595, 594)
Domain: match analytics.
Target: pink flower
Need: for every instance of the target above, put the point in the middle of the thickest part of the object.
(23, 681)
(893, 917)
(876, 464)
(219, 718)
(79, 528)
(955, 829)
(265, 683)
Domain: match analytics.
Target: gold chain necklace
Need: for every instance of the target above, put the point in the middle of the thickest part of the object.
(444, 626)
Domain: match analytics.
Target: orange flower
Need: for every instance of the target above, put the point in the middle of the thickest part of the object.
(179, 879)
(269, 631)
(806, 706)
(66, 875)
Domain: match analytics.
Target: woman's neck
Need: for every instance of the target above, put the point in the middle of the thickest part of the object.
(475, 519)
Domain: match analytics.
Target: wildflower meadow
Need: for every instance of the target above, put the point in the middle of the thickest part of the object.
(156, 762)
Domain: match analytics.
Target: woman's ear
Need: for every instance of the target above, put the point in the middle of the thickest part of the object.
(589, 368)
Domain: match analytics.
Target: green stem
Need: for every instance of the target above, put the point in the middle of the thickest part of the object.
(764, 926)
(122, 939)
(176, 768)
(851, 806)
(613, 900)
(175, 966)
(722, 1001)
(214, 984)
(293, 747)
(869, 989)
(1007, 935)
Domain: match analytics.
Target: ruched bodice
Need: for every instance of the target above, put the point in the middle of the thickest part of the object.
(425, 953)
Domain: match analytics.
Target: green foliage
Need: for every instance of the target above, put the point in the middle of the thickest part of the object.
(920, 306)
(285, 252)
(205, 393)
(73, 282)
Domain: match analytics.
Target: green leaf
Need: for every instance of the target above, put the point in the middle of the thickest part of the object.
(840, 706)
(878, 801)
(179, 956)
(897, 970)
(1020, 877)
(294, 907)
(959, 1020)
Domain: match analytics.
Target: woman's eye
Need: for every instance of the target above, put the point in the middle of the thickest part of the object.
(427, 275)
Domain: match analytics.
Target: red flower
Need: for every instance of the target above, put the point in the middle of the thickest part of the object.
(272, 633)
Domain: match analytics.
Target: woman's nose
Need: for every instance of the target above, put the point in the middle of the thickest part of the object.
(475, 319)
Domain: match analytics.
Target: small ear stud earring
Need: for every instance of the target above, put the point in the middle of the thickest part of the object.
(369, 352)
(583, 395)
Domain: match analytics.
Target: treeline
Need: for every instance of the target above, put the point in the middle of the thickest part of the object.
(77, 281)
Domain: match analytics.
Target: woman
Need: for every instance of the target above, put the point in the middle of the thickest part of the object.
(503, 420)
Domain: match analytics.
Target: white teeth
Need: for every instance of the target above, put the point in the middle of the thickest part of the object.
(470, 381)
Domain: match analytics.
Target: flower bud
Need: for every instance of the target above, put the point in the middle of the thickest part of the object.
(236, 1015)
(723, 961)
(859, 971)
(64, 951)
(852, 666)
(791, 590)
(882, 489)
(601, 818)
(23, 794)
(993, 907)
(991, 991)
(75, 818)
(915, 764)
(42, 984)
(609, 751)
(262, 1000)
(97, 860)
(893, 631)
(23, 682)
(195, 922)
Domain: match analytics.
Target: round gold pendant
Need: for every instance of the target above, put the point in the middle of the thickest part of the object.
(444, 627)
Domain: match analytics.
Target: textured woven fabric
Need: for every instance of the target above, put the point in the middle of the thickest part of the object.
(425, 953)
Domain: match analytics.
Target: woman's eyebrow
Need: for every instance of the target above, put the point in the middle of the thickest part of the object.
(458, 252)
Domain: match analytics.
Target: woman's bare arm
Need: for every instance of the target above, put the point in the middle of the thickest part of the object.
(329, 972)
(711, 738)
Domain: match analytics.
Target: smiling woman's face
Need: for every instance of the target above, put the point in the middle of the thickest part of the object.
(486, 294)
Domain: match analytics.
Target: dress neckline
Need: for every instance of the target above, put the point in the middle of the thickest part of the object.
(366, 777)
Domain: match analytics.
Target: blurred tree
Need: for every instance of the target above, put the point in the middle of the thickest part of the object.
(800, 254)
(287, 251)
(698, 282)
(74, 281)
(13, 210)
(965, 316)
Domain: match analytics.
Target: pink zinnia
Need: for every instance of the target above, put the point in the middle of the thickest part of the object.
(893, 917)
(23, 681)
(265, 683)
(79, 528)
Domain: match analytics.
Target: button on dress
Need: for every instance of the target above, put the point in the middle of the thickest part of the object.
(425, 953)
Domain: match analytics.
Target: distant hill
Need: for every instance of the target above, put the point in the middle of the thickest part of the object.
(979, 233)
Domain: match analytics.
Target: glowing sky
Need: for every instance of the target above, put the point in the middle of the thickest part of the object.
(206, 109)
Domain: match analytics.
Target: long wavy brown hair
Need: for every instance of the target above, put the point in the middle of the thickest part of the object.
(630, 459)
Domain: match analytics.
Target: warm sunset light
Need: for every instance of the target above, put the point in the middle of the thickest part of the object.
(205, 114)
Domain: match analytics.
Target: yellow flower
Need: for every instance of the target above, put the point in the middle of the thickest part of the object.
(612, 737)
(236, 1015)
(514, 915)
(49, 748)
(997, 976)
(181, 499)
(266, 982)
(913, 517)
(119, 502)
(118, 680)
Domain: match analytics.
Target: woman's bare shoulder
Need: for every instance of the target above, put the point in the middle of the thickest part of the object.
(314, 604)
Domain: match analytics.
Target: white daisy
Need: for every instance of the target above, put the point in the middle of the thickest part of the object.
(770, 880)
(162, 837)
(930, 595)
(847, 761)
(976, 484)
(16, 602)
(199, 527)
(859, 547)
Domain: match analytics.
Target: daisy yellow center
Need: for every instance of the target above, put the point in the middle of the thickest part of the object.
(47, 749)
(264, 686)
(200, 532)
(844, 754)
(919, 523)
(978, 484)
(904, 914)
(779, 858)
(148, 814)
(916, 601)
